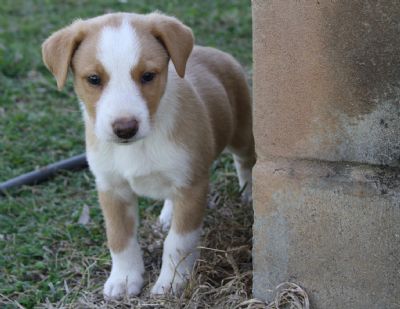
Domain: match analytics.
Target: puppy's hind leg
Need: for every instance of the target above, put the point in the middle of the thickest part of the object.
(244, 166)
(242, 142)
(244, 156)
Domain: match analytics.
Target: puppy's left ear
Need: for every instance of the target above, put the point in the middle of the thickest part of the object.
(175, 36)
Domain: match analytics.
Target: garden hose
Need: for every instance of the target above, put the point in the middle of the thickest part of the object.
(44, 173)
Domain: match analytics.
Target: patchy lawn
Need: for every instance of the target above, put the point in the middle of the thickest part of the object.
(47, 258)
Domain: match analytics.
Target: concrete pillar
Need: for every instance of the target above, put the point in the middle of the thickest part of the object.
(327, 126)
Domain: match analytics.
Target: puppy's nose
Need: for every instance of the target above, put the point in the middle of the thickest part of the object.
(125, 127)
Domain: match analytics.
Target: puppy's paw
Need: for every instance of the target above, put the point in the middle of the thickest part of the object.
(165, 217)
(118, 286)
(247, 193)
(246, 197)
(168, 285)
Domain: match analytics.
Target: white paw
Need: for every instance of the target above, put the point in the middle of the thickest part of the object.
(168, 285)
(179, 256)
(118, 286)
(165, 217)
(247, 196)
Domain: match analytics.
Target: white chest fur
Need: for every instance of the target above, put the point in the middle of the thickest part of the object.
(153, 167)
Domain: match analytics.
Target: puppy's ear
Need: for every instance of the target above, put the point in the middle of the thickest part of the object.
(58, 49)
(175, 36)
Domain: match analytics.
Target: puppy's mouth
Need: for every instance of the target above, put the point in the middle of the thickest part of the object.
(125, 141)
(129, 141)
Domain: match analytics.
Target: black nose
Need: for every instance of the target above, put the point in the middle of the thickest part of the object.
(125, 127)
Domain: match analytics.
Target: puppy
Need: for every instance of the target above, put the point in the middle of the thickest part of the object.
(157, 111)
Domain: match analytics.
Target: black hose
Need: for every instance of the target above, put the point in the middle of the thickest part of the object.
(44, 173)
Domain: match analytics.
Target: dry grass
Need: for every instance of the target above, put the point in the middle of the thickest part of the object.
(290, 295)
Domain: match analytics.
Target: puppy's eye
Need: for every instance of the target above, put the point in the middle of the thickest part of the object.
(147, 77)
(94, 80)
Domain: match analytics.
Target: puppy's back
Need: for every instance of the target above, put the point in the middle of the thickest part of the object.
(221, 84)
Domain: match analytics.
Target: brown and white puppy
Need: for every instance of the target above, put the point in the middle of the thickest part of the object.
(153, 128)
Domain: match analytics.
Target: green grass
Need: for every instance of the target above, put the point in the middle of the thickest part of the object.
(42, 246)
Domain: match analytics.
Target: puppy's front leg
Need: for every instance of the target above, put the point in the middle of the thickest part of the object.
(120, 213)
(180, 251)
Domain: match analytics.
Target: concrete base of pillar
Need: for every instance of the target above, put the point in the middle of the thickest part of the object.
(332, 228)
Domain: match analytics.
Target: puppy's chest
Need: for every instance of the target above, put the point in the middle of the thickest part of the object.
(158, 185)
(154, 172)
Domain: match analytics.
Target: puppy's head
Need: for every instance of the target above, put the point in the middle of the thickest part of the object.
(120, 67)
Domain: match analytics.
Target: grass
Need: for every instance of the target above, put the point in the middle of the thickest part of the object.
(47, 258)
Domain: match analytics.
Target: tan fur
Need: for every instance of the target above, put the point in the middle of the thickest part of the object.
(213, 103)
(119, 224)
(84, 65)
(153, 58)
(189, 207)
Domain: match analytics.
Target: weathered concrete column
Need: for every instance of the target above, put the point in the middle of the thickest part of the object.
(327, 125)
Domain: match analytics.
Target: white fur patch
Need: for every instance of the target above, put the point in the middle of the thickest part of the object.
(178, 259)
(118, 51)
(245, 179)
(127, 270)
(166, 215)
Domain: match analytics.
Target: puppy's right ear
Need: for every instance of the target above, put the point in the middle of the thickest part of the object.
(58, 49)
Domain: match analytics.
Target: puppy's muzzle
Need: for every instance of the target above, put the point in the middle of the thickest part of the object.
(125, 128)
